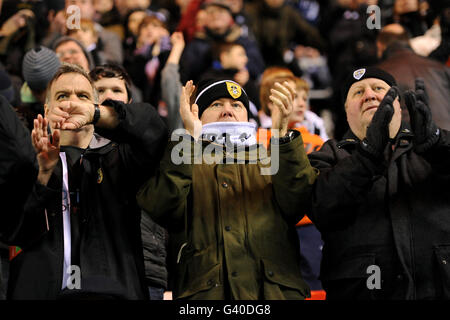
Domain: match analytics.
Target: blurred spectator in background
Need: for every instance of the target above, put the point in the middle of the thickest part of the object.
(131, 31)
(38, 67)
(107, 15)
(108, 41)
(17, 36)
(278, 28)
(350, 44)
(151, 53)
(88, 36)
(73, 51)
(171, 83)
(400, 60)
(442, 52)
(408, 13)
(220, 26)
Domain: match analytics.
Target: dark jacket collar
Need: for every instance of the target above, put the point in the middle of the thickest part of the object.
(396, 48)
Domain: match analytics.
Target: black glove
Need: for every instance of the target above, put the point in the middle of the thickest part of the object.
(426, 133)
(377, 135)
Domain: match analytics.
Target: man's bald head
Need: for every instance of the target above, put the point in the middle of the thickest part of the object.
(394, 28)
(390, 34)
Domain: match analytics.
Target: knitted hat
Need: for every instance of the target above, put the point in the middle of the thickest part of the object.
(213, 89)
(6, 87)
(39, 66)
(365, 73)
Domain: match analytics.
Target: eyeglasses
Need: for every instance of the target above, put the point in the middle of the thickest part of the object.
(70, 52)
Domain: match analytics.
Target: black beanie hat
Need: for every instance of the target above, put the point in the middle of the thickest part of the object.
(210, 90)
(365, 73)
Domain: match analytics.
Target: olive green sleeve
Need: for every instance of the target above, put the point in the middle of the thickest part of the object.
(164, 196)
(293, 182)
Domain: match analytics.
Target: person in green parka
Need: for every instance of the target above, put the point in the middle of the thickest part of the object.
(231, 224)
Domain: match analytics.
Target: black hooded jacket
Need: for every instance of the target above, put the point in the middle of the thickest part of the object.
(105, 219)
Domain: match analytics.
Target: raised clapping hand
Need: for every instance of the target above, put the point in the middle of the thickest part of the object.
(377, 135)
(70, 115)
(47, 151)
(426, 132)
(189, 114)
(282, 97)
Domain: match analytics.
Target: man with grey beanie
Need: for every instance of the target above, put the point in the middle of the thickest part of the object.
(38, 68)
(39, 65)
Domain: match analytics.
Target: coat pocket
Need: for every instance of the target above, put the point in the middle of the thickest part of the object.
(349, 279)
(442, 258)
(197, 273)
(281, 283)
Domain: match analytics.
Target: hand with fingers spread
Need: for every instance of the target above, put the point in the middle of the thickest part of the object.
(377, 135)
(47, 151)
(282, 97)
(189, 114)
(426, 133)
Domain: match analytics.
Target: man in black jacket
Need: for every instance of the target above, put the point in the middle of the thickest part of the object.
(382, 199)
(80, 231)
(113, 82)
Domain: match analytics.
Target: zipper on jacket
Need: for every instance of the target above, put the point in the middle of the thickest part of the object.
(179, 252)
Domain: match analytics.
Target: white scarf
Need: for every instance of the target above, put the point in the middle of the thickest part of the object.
(238, 133)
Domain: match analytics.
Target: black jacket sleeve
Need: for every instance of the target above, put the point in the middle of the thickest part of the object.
(18, 168)
(141, 135)
(439, 155)
(344, 179)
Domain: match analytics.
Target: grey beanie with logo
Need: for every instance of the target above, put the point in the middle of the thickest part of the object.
(39, 66)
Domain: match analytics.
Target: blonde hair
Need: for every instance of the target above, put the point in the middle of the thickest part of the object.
(277, 74)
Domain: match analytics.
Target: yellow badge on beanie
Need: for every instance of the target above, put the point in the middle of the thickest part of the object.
(233, 89)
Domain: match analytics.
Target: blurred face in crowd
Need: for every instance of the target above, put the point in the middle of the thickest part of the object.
(134, 20)
(137, 4)
(201, 19)
(223, 110)
(219, 19)
(71, 52)
(86, 34)
(300, 106)
(235, 58)
(111, 88)
(87, 8)
(103, 6)
(362, 102)
(406, 6)
(235, 5)
(274, 3)
(152, 32)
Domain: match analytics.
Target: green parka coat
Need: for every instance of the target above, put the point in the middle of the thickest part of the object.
(232, 229)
